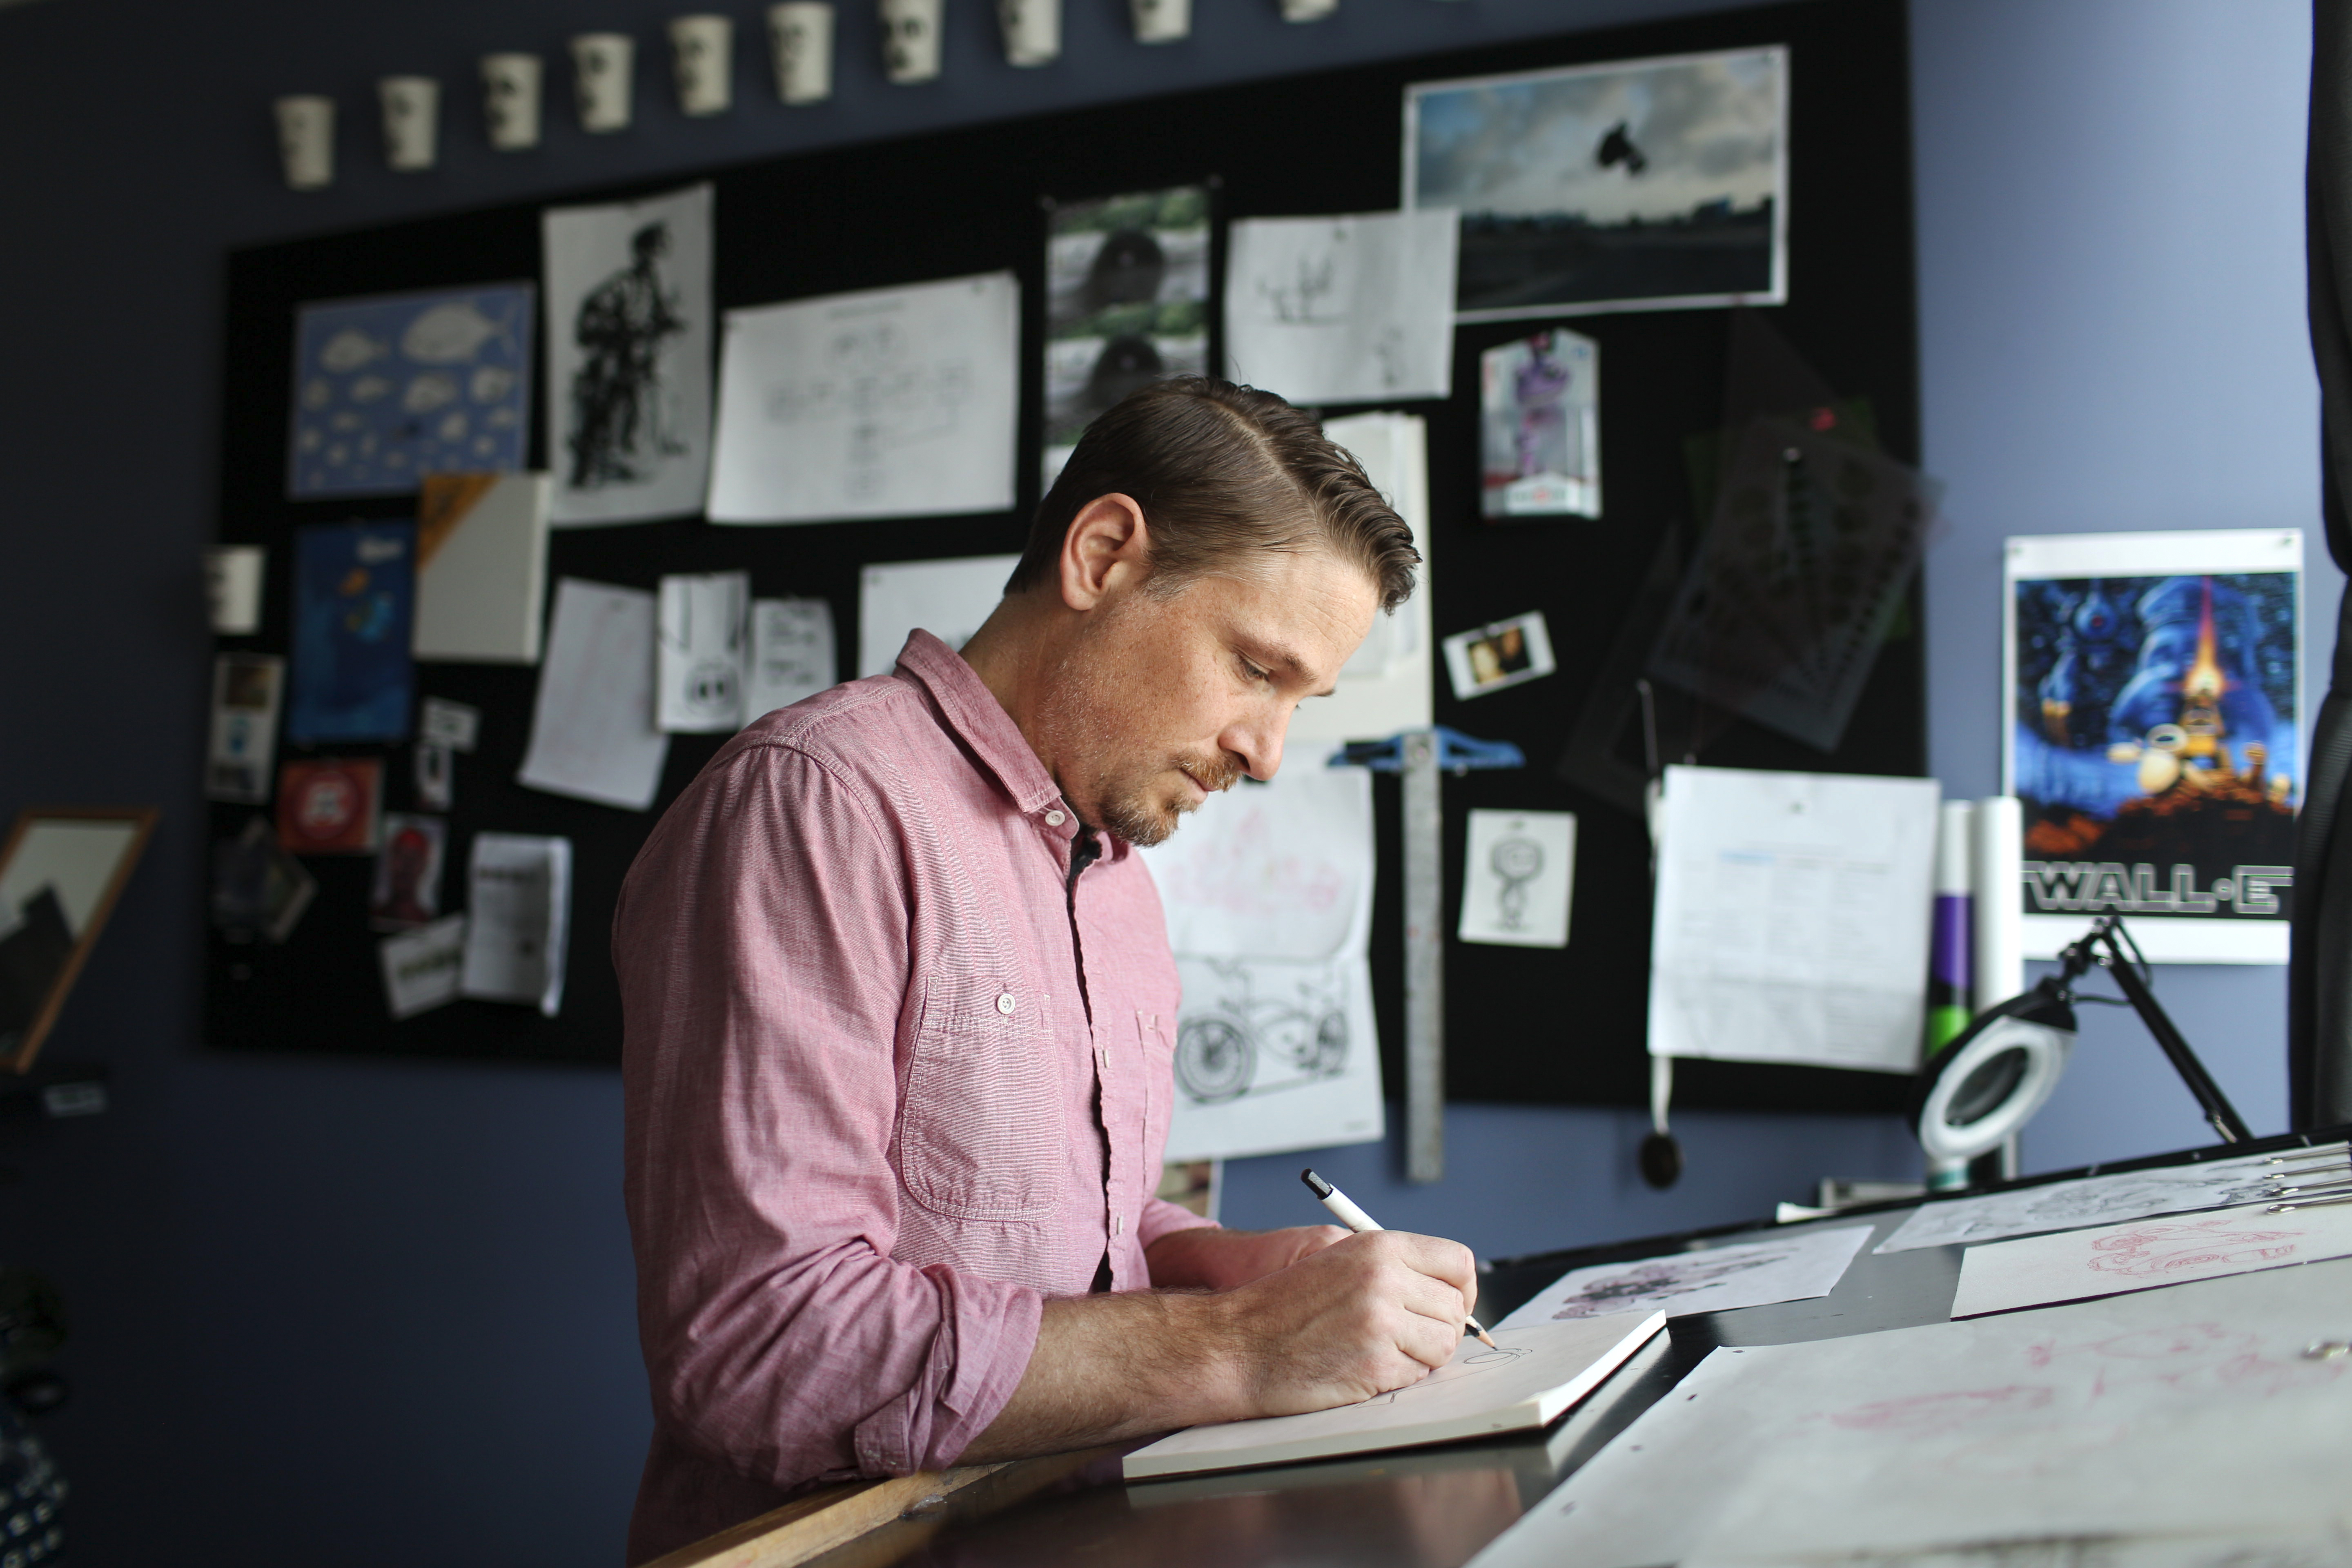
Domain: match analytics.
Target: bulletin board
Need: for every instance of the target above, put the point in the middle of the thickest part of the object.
(1527, 1025)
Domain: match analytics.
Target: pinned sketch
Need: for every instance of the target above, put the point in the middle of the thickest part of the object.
(2154, 692)
(1792, 918)
(2096, 1200)
(1540, 426)
(518, 919)
(2143, 1253)
(1271, 1054)
(792, 653)
(2210, 1408)
(593, 733)
(1502, 654)
(886, 403)
(1633, 186)
(442, 722)
(1386, 685)
(1354, 309)
(434, 774)
(703, 651)
(1518, 875)
(423, 969)
(259, 889)
(246, 692)
(394, 386)
(355, 591)
(1278, 871)
(628, 357)
(948, 599)
(407, 892)
(481, 567)
(1127, 303)
(1704, 1279)
(1529, 1380)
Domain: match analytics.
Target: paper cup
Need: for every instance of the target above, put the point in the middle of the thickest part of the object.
(306, 141)
(702, 54)
(911, 40)
(510, 93)
(1162, 21)
(233, 588)
(801, 33)
(603, 66)
(1032, 30)
(412, 120)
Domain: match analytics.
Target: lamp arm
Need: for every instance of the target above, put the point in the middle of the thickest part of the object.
(2118, 962)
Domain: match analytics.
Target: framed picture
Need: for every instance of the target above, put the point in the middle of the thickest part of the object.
(1648, 184)
(60, 872)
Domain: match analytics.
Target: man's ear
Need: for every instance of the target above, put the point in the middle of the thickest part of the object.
(1108, 546)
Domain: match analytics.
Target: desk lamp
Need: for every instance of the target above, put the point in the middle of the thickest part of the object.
(1986, 1085)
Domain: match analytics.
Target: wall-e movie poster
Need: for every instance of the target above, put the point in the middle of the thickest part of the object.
(628, 358)
(2155, 694)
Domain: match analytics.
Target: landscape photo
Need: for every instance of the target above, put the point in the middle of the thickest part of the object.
(1633, 185)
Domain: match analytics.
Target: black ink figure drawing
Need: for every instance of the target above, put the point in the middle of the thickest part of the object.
(618, 433)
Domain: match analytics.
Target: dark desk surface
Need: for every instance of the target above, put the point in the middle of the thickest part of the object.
(1422, 1507)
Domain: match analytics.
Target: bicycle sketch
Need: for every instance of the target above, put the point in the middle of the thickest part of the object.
(1245, 1042)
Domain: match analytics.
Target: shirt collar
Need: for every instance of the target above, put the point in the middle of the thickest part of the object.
(976, 717)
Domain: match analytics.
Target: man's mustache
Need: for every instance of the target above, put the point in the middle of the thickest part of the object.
(1215, 775)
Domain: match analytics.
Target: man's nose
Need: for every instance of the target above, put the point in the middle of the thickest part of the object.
(1257, 740)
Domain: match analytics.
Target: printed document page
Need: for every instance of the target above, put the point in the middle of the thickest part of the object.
(1792, 921)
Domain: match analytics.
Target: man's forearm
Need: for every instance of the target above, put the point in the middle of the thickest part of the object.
(1173, 1369)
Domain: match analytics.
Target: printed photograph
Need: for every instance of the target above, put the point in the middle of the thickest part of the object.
(1503, 653)
(1539, 422)
(1127, 303)
(407, 892)
(2154, 744)
(1637, 184)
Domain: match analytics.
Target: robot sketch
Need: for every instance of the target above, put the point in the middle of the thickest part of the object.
(1221, 1048)
(1519, 862)
(619, 435)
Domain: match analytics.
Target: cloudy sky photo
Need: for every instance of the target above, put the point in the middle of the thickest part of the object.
(1707, 128)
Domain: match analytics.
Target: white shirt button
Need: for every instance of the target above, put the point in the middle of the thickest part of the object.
(1004, 1004)
(1055, 819)
(1119, 1225)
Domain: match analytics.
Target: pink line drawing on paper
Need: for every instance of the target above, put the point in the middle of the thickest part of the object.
(2156, 1250)
(1935, 1415)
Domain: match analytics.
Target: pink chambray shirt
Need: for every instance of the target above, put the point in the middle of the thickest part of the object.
(891, 1082)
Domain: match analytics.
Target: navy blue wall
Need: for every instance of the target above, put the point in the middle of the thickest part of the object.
(374, 1313)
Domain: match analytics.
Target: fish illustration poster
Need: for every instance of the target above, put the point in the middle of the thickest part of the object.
(628, 357)
(2156, 700)
(395, 385)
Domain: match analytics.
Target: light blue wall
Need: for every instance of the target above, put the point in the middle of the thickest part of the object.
(2111, 337)
(379, 1313)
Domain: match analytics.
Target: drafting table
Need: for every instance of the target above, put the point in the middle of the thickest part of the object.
(1422, 1507)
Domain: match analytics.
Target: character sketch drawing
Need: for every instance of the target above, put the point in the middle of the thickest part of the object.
(1242, 1042)
(2155, 1250)
(1661, 1280)
(1470, 1365)
(1519, 862)
(623, 424)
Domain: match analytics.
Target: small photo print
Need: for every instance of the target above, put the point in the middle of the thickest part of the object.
(1127, 303)
(1505, 653)
(408, 893)
(1539, 427)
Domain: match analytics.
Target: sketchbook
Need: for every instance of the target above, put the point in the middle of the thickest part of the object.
(1534, 1376)
(2142, 1254)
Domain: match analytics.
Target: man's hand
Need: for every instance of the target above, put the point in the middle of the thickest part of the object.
(1351, 1318)
(1209, 1258)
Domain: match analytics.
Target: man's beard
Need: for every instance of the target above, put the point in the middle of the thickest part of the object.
(1136, 798)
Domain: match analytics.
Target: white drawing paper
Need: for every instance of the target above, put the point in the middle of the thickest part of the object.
(1704, 1279)
(704, 651)
(1499, 655)
(1531, 1376)
(2143, 1253)
(1518, 874)
(2153, 684)
(1793, 918)
(948, 599)
(885, 402)
(442, 722)
(248, 690)
(1625, 185)
(1353, 309)
(792, 653)
(628, 357)
(2181, 1412)
(1273, 1055)
(518, 919)
(1386, 686)
(482, 568)
(2102, 1200)
(422, 969)
(1278, 871)
(593, 733)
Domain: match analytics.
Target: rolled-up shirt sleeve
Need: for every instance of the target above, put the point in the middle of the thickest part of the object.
(762, 942)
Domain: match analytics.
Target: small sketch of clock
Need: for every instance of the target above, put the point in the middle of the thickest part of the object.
(1517, 861)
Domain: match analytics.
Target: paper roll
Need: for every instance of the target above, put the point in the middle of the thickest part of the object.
(2001, 907)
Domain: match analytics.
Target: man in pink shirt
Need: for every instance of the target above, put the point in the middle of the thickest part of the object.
(898, 1008)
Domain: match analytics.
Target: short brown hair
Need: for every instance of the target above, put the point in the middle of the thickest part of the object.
(1222, 470)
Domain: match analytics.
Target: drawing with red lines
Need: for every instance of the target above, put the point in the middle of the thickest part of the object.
(2076, 1265)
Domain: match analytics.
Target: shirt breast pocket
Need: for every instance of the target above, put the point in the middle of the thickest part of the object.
(983, 1132)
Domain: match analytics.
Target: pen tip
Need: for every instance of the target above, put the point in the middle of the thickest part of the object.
(1487, 1340)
